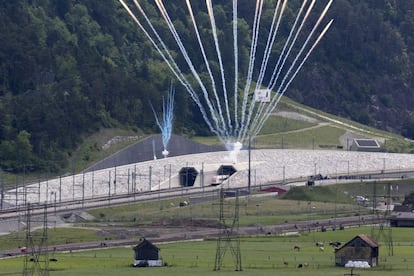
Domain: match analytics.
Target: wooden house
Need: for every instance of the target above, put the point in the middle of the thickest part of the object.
(146, 254)
(360, 248)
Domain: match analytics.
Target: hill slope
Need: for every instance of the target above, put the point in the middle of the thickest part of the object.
(70, 68)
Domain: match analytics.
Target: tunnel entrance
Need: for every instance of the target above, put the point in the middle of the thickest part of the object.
(188, 176)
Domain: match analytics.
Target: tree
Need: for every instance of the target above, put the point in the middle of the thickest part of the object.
(408, 126)
(17, 153)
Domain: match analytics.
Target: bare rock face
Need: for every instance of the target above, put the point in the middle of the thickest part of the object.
(119, 139)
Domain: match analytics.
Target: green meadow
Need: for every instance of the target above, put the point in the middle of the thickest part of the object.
(268, 255)
(261, 255)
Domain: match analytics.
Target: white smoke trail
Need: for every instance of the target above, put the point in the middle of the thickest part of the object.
(210, 73)
(259, 6)
(236, 64)
(214, 109)
(173, 31)
(283, 87)
(170, 62)
(269, 45)
(167, 119)
(294, 75)
(216, 43)
(277, 17)
(281, 61)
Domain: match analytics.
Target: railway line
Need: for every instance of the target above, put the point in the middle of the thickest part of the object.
(104, 201)
(208, 192)
(201, 233)
(67, 205)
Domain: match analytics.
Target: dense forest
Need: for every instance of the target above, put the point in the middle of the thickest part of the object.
(71, 67)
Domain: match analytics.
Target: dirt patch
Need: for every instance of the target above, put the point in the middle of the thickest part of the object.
(119, 139)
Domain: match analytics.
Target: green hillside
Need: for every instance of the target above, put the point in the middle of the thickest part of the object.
(72, 69)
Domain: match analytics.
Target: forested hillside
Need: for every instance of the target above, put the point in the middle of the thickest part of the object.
(71, 67)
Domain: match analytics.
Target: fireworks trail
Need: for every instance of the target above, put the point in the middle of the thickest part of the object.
(207, 60)
(167, 119)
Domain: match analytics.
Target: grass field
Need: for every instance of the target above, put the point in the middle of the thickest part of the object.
(260, 256)
(261, 210)
(300, 204)
(313, 138)
(268, 255)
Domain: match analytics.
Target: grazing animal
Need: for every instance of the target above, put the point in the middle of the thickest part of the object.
(300, 265)
(321, 248)
(319, 244)
(296, 247)
(285, 263)
(335, 243)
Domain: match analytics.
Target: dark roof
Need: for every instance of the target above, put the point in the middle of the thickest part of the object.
(366, 143)
(370, 242)
(144, 243)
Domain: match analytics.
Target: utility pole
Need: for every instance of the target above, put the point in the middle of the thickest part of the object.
(249, 172)
(1, 189)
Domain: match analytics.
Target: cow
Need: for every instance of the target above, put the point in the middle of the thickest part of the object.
(335, 243)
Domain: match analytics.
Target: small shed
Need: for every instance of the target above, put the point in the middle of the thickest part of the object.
(146, 254)
(370, 145)
(402, 216)
(360, 248)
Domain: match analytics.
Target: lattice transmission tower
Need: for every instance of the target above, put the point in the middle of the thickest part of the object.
(383, 230)
(36, 260)
(229, 237)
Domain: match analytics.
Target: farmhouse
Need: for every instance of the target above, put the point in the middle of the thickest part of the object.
(360, 248)
(402, 216)
(146, 254)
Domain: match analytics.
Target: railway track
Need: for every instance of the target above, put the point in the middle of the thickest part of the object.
(202, 233)
(104, 201)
